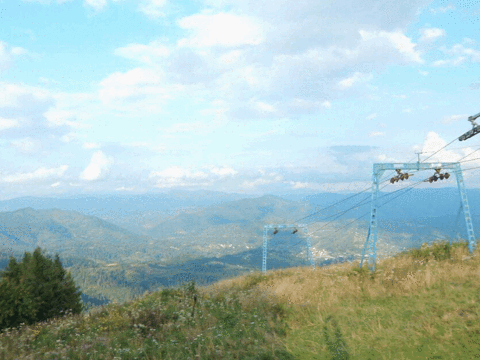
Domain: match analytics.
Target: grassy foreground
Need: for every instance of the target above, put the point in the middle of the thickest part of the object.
(421, 304)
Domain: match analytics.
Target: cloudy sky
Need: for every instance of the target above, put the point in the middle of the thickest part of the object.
(124, 96)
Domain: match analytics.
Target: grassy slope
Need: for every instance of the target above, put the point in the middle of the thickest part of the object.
(420, 305)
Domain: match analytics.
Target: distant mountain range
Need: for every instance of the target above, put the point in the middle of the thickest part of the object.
(140, 242)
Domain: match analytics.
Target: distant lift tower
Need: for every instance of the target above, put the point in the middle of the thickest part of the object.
(379, 169)
(275, 229)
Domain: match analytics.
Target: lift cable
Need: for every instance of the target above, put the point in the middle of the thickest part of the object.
(439, 150)
(477, 167)
(457, 148)
(355, 206)
(339, 202)
(463, 137)
(468, 155)
(328, 207)
(358, 204)
(468, 160)
(351, 222)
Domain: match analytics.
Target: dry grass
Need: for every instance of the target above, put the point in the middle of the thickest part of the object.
(420, 305)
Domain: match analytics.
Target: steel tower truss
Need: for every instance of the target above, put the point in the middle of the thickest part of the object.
(266, 228)
(379, 169)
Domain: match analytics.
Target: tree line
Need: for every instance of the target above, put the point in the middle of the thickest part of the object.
(36, 289)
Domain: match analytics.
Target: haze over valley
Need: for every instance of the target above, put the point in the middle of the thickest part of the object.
(162, 240)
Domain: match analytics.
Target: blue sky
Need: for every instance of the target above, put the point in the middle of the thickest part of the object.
(105, 96)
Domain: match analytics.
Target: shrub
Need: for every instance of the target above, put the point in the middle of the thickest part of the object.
(35, 290)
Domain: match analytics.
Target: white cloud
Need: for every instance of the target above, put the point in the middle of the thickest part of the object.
(25, 145)
(175, 172)
(56, 117)
(18, 51)
(68, 137)
(384, 158)
(55, 184)
(376, 134)
(453, 62)
(327, 104)
(186, 127)
(7, 54)
(258, 182)
(123, 188)
(148, 54)
(225, 171)
(424, 73)
(7, 123)
(433, 142)
(332, 187)
(144, 145)
(357, 77)
(271, 178)
(221, 29)
(402, 96)
(176, 176)
(134, 86)
(442, 10)
(99, 165)
(91, 146)
(39, 174)
(453, 118)
(371, 116)
(96, 4)
(282, 61)
(431, 34)
(460, 53)
(398, 40)
(152, 8)
(468, 41)
(264, 107)
(46, 2)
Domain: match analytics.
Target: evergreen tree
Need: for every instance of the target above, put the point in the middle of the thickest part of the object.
(35, 290)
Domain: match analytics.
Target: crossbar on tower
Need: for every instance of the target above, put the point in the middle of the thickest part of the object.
(379, 169)
(275, 228)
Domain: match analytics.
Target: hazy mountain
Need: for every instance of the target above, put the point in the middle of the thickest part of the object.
(129, 211)
(220, 239)
(70, 233)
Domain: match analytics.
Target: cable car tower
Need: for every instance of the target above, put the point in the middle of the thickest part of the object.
(379, 169)
(275, 231)
(475, 128)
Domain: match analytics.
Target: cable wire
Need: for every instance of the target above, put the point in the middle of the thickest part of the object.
(411, 187)
(305, 217)
(383, 196)
(339, 202)
(439, 150)
(360, 203)
(468, 155)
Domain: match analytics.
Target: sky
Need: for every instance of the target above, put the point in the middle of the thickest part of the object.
(128, 97)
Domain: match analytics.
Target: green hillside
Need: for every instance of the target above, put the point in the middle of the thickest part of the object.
(422, 304)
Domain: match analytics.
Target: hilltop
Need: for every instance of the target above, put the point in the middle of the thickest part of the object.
(419, 304)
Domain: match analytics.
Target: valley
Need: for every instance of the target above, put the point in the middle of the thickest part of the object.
(217, 239)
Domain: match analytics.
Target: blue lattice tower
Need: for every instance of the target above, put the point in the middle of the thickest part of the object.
(379, 169)
(266, 228)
